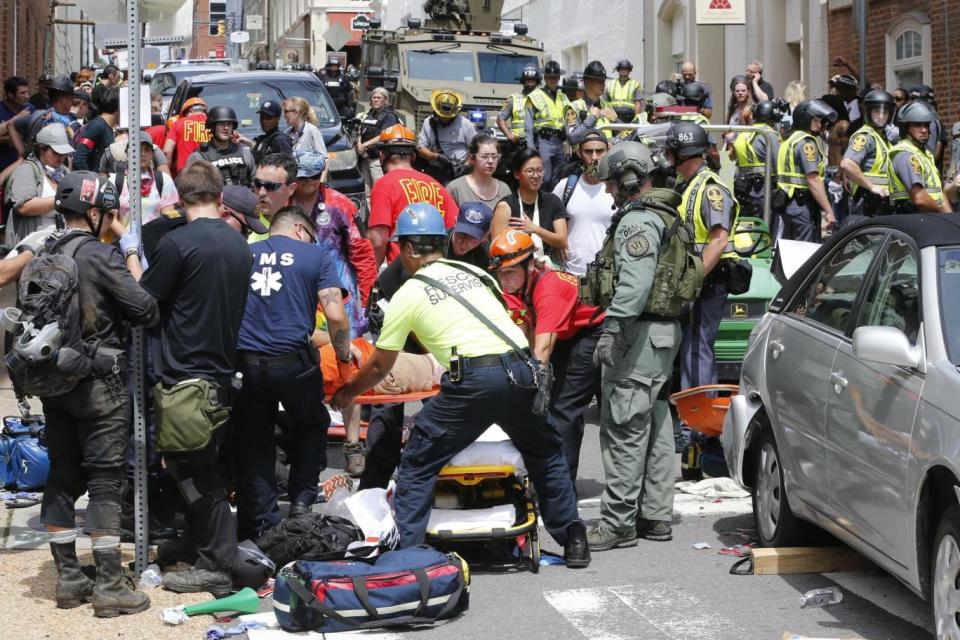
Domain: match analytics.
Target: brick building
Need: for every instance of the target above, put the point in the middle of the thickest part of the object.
(23, 24)
(206, 41)
(907, 42)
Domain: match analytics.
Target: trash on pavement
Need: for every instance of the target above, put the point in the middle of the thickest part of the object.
(174, 615)
(150, 578)
(821, 597)
(700, 546)
(713, 488)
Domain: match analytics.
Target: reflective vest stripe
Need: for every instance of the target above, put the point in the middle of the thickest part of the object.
(518, 106)
(692, 206)
(879, 172)
(580, 107)
(788, 177)
(747, 159)
(928, 172)
(555, 109)
(622, 95)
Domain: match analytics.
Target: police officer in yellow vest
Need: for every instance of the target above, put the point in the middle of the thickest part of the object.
(866, 162)
(623, 92)
(801, 163)
(710, 209)
(592, 111)
(750, 150)
(551, 136)
(915, 185)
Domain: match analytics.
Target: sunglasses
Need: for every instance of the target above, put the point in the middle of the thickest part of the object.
(266, 184)
(303, 228)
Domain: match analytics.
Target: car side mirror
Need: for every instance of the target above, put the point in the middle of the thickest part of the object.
(886, 345)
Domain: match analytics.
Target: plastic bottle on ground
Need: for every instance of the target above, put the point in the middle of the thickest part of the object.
(821, 597)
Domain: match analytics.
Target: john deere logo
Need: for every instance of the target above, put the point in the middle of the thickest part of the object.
(738, 311)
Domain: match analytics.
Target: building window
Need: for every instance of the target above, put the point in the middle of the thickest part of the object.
(908, 51)
(218, 12)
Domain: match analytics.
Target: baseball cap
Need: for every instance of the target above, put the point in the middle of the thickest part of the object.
(593, 133)
(145, 138)
(242, 200)
(310, 164)
(55, 137)
(474, 220)
(271, 108)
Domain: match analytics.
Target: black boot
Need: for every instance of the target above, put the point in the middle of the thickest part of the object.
(113, 594)
(576, 551)
(193, 580)
(73, 588)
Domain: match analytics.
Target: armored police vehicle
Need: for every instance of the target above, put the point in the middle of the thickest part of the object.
(458, 47)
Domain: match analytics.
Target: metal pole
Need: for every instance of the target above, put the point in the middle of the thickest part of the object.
(862, 35)
(136, 347)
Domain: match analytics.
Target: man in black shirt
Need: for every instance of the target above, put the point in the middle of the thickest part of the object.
(272, 140)
(97, 135)
(199, 276)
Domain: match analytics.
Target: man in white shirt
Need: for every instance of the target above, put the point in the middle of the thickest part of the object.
(588, 203)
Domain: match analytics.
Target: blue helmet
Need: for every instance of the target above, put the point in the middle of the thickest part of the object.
(419, 219)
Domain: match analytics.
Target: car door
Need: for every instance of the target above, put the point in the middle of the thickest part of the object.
(872, 408)
(800, 353)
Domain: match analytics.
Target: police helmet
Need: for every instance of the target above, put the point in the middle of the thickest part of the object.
(666, 86)
(660, 99)
(627, 164)
(693, 94)
(687, 139)
(571, 83)
(421, 220)
(766, 112)
(623, 63)
(552, 68)
(61, 84)
(81, 191)
(333, 61)
(252, 567)
(217, 115)
(806, 111)
(595, 71)
(878, 99)
(530, 72)
(915, 113)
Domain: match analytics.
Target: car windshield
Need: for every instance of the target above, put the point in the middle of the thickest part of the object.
(949, 262)
(448, 66)
(165, 83)
(502, 67)
(245, 97)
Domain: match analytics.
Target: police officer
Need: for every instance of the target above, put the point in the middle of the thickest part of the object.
(693, 94)
(801, 164)
(380, 116)
(866, 161)
(550, 136)
(457, 313)
(530, 116)
(339, 87)
(233, 160)
(914, 180)
(657, 104)
(593, 110)
(289, 276)
(573, 87)
(751, 152)
(636, 349)
(623, 92)
(273, 139)
(565, 332)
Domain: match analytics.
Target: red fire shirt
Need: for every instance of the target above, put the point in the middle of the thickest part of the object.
(188, 132)
(557, 307)
(400, 187)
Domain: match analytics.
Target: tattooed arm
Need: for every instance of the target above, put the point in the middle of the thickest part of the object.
(338, 326)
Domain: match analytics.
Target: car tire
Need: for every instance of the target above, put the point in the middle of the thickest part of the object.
(775, 522)
(945, 573)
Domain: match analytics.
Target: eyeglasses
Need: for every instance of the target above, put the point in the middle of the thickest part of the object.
(533, 172)
(291, 111)
(309, 235)
(266, 184)
(487, 157)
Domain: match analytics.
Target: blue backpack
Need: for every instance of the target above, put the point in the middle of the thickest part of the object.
(24, 462)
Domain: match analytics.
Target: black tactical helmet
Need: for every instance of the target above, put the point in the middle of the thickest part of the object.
(61, 84)
(623, 63)
(806, 111)
(878, 98)
(659, 99)
(595, 71)
(221, 114)
(666, 86)
(552, 68)
(766, 112)
(81, 191)
(915, 113)
(530, 72)
(687, 139)
(693, 94)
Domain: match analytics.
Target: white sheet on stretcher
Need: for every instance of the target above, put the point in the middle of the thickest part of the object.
(492, 447)
(464, 520)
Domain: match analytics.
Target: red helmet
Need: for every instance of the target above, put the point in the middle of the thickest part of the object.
(510, 247)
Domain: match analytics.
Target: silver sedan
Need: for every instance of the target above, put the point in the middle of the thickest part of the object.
(848, 415)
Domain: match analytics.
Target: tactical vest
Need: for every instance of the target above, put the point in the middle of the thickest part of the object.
(691, 206)
(789, 178)
(748, 162)
(232, 166)
(928, 171)
(579, 107)
(879, 172)
(622, 95)
(678, 277)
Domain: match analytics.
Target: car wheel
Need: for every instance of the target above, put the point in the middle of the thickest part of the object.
(945, 575)
(776, 524)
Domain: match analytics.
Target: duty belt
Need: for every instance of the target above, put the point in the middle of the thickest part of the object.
(750, 170)
(797, 181)
(545, 132)
(258, 360)
(492, 360)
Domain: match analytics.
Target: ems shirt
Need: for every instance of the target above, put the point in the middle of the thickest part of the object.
(202, 295)
(280, 313)
(590, 210)
(557, 306)
(441, 322)
(451, 140)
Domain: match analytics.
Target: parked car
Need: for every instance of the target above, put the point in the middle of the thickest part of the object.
(244, 92)
(848, 415)
(165, 81)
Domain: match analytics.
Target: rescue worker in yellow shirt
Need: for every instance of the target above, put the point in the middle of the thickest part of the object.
(592, 111)
(750, 149)
(915, 185)
(866, 162)
(623, 92)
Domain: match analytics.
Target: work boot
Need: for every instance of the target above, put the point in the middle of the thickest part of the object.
(576, 551)
(656, 530)
(353, 452)
(601, 538)
(193, 580)
(298, 509)
(170, 552)
(114, 593)
(73, 587)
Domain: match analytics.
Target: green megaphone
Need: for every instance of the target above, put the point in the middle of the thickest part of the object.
(245, 601)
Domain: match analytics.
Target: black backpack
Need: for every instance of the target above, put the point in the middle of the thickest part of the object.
(48, 356)
(310, 536)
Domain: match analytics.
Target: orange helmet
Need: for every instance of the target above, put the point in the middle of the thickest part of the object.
(510, 247)
(190, 104)
(397, 136)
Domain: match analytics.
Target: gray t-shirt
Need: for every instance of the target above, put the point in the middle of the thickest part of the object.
(452, 140)
(461, 192)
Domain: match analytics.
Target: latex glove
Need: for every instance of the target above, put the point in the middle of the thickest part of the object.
(129, 240)
(603, 354)
(835, 189)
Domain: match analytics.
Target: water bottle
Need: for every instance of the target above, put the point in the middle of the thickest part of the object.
(821, 597)
(150, 578)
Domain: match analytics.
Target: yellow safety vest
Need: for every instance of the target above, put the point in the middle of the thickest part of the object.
(579, 106)
(691, 205)
(541, 111)
(747, 159)
(927, 170)
(879, 173)
(788, 177)
(622, 95)
(556, 108)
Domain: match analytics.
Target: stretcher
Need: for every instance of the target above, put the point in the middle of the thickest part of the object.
(703, 408)
(339, 432)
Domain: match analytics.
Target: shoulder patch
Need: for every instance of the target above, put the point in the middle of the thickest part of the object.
(637, 245)
(571, 117)
(859, 142)
(715, 196)
(629, 230)
(567, 277)
(915, 164)
(809, 151)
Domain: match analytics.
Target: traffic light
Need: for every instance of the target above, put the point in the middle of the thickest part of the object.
(221, 27)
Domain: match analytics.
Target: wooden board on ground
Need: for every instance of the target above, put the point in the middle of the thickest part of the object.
(783, 560)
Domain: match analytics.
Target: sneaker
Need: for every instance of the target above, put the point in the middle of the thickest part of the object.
(356, 459)
(195, 580)
(600, 538)
(656, 530)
